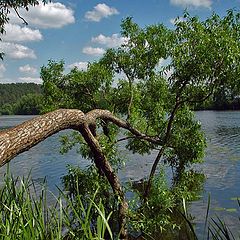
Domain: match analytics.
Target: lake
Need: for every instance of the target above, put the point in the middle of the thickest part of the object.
(221, 166)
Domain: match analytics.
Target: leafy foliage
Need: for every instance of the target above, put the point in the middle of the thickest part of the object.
(82, 185)
(155, 99)
(11, 92)
(197, 71)
(77, 89)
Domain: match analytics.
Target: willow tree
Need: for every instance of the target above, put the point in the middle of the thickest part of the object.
(147, 98)
(155, 98)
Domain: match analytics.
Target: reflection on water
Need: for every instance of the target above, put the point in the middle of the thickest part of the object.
(221, 166)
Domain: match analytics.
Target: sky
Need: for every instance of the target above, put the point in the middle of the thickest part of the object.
(80, 31)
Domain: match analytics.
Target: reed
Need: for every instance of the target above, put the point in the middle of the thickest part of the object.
(25, 214)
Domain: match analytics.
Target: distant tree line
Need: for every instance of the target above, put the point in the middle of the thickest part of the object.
(20, 98)
(223, 99)
(26, 99)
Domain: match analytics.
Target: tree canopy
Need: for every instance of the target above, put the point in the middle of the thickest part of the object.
(152, 81)
(149, 85)
(130, 80)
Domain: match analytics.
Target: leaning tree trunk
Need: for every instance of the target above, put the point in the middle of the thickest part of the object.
(24, 136)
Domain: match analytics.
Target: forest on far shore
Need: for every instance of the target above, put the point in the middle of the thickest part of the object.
(20, 99)
(26, 99)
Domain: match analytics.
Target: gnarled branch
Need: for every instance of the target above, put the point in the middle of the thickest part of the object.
(26, 135)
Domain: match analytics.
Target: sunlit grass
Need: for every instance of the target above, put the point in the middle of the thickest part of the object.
(25, 214)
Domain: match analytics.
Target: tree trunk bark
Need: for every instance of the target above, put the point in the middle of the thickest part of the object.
(104, 165)
(26, 135)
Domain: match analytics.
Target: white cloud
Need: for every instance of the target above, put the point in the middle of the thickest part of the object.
(93, 51)
(7, 80)
(2, 70)
(80, 65)
(16, 51)
(193, 3)
(15, 33)
(30, 79)
(28, 69)
(113, 41)
(100, 11)
(51, 15)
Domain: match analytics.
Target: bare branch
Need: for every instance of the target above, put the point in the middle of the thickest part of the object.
(19, 16)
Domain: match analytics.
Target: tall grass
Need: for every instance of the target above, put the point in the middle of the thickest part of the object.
(218, 229)
(214, 228)
(25, 214)
(79, 220)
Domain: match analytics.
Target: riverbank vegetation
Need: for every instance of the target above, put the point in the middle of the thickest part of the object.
(222, 99)
(138, 96)
(20, 99)
(26, 213)
(151, 81)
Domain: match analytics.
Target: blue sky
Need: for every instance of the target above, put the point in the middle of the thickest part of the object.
(79, 31)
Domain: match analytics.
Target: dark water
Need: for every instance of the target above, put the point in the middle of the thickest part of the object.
(222, 169)
(221, 166)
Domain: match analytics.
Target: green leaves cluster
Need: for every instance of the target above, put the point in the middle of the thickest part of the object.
(205, 55)
(154, 98)
(85, 90)
(200, 57)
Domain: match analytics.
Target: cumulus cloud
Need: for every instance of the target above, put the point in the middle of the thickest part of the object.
(30, 80)
(51, 15)
(2, 70)
(28, 69)
(93, 51)
(15, 33)
(100, 11)
(113, 41)
(6, 80)
(192, 3)
(80, 65)
(16, 51)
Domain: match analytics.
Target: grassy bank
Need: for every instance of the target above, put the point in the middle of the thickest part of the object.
(25, 214)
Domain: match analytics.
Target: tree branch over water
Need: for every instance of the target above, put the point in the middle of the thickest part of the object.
(26, 135)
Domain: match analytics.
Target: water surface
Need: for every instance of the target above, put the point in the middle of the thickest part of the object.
(221, 166)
